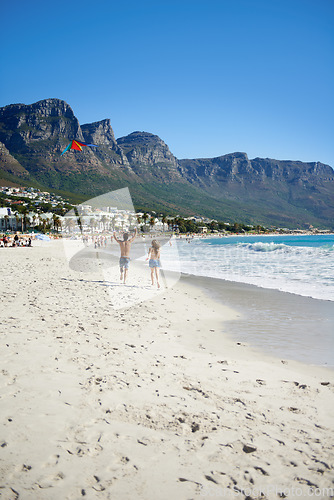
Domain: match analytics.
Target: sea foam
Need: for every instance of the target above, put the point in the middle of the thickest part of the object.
(302, 266)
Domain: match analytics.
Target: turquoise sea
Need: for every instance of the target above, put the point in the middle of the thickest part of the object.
(300, 264)
(295, 325)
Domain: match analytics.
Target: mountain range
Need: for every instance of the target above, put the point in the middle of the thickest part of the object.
(230, 188)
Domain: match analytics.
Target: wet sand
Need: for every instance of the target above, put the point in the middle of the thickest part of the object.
(281, 324)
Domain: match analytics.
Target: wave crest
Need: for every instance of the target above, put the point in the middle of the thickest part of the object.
(265, 247)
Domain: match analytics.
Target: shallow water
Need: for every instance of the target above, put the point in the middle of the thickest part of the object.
(284, 325)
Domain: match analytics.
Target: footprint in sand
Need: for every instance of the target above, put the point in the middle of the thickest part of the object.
(50, 481)
(52, 461)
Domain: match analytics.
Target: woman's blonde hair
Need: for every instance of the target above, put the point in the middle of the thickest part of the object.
(155, 244)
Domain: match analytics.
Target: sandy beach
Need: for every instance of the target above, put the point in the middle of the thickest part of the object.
(152, 401)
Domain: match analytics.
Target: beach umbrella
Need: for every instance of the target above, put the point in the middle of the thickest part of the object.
(77, 146)
(42, 237)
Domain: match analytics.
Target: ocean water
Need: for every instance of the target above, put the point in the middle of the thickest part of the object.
(303, 265)
(297, 325)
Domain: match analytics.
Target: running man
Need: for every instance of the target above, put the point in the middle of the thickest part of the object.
(125, 246)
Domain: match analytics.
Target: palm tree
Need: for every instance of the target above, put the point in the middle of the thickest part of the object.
(54, 216)
(25, 219)
(69, 223)
(92, 223)
(145, 217)
(113, 222)
(37, 219)
(176, 223)
(56, 222)
(236, 227)
(104, 220)
(164, 221)
(152, 222)
(213, 225)
(48, 223)
(6, 222)
(17, 218)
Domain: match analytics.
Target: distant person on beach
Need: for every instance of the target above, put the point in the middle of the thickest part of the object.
(125, 246)
(154, 261)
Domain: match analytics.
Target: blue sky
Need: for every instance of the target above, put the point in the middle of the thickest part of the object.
(209, 77)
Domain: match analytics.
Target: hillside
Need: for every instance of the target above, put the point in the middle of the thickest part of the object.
(231, 187)
(268, 190)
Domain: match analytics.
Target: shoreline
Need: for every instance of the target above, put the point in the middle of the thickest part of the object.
(256, 306)
(300, 267)
(237, 235)
(152, 401)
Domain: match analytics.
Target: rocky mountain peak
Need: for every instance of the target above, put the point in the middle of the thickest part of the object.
(99, 132)
(138, 137)
(44, 108)
(146, 147)
(53, 107)
(49, 119)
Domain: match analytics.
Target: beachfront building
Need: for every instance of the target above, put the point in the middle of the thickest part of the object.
(8, 220)
(98, 220)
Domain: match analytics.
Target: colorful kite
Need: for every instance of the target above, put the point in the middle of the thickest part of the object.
(77, 145)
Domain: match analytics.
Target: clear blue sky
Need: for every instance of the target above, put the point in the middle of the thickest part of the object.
(209, 77)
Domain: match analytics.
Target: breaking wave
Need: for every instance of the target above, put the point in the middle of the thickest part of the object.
(304, 267)
(265, 247)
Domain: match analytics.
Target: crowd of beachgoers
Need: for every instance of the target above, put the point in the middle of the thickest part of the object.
(16, 240)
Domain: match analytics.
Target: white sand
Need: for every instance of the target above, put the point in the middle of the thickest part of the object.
(150, 402)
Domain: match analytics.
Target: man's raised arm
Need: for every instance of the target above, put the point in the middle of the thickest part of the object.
(133, 237)
(118, 241)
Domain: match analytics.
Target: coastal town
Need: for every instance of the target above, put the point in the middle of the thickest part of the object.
(30, 210)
